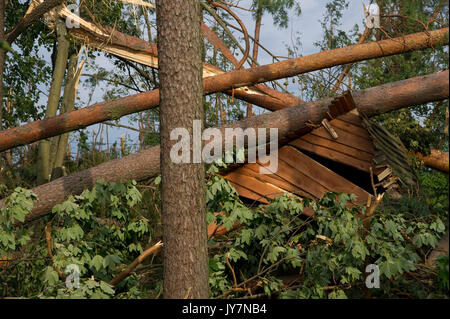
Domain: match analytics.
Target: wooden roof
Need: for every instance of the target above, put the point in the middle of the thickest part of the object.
(348, 143)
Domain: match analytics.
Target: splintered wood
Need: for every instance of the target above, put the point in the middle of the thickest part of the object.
(330, 129)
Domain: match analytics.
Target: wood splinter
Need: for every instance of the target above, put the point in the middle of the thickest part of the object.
(330, 129)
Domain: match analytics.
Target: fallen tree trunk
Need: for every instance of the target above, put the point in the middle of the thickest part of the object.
(437, 160)
(135, 49)
(289, 121)
(115, 109)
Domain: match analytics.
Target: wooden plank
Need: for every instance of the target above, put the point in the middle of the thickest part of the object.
(384, 174)
(320, 173)
(299, 179)
(254, 185)
(257, 169)
(332, 155)
(350, 128)
(346, 138)
(252, 169)
(344, 149)
(395, 155)
(244, 192)
(390, 181)
(351, 119)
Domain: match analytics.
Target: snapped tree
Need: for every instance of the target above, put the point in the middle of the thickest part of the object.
(145, 164)
(114, 109)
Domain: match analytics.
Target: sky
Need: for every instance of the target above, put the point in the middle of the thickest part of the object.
(273, 38)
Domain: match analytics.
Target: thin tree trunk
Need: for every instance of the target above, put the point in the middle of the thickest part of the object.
(255, 51)
(68, 104)
(44, 160)
(441, 249)
(110, 110)
(290, 122)
(183, 185)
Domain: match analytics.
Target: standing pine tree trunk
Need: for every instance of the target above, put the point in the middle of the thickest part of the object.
(183, 185)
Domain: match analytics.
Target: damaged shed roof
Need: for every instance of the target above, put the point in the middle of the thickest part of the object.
(349, 154)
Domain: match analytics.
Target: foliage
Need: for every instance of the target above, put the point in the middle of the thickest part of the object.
(442, 266)
(99, 231)
(435, 191)
(17, 206)
(330, 253)
(277, 8)
(26, 72)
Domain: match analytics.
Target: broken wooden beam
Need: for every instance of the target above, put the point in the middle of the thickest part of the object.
(384, 172)
(289, 121)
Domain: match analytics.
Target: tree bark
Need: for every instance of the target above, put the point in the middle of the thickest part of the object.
(114, 109)
(441, 249)
(437, 160)
(290, 123)
(44, 168)
(68, 104)
(182, 185)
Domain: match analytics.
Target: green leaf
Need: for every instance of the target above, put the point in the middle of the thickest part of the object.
(97, 262)
(51, 276)
(107, 288)
(91, 284)
(337, 294)
(111, 261)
